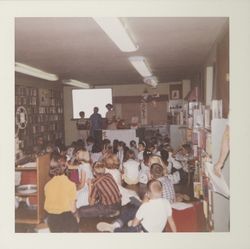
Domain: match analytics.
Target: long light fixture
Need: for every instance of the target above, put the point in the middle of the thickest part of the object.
(139, 63)
(151, 81)
(32, 71)
(76, 83)
(113, 27)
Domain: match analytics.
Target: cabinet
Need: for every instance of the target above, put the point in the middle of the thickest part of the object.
(34, 215)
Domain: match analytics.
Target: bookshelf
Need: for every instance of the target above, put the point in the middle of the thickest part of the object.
(33, 215)
(177, 112)
(201, 134)
(44, 108)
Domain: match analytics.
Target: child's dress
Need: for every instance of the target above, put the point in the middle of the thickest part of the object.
(144, 173)
(82, 194)
(131, 172)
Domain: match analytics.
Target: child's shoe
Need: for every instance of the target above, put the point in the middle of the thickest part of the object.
(105, 227)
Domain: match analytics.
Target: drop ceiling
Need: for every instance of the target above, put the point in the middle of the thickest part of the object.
(77, 48)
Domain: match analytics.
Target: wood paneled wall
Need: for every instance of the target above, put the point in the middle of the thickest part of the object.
(156, 112)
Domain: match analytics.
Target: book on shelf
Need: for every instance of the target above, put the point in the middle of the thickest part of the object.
(216, 109)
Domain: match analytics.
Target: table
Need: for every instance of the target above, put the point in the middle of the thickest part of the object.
(125, 135)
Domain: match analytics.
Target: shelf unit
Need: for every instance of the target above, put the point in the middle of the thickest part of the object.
(201, 135)
(177, 112)
(45, 115)
(198, 134)
(27, 215)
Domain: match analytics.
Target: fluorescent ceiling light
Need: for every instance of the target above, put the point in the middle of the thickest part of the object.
(113, 27)
(32, 71)
(139, 63)
(151, 80)
(76, 83)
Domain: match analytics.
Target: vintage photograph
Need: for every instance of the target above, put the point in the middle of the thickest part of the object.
(122, 124)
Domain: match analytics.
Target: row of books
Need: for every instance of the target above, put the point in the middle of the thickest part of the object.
(28, 141)
(50, 110)
(33, 101)
(25, 91)
(25, 100)
(200, 115)
(44, 118)
(33, 91)
(46, 128)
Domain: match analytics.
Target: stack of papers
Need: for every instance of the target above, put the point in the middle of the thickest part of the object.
(181, 205)
(28, 165)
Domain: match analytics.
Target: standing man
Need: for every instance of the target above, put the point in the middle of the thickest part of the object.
(96, 125)
(111, 117)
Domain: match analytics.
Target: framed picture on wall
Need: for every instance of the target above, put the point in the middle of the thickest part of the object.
(175, 94)
(175, 91)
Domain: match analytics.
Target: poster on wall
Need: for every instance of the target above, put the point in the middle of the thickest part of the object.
(175, 94)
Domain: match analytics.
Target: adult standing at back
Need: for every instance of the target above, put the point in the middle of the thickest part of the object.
(111, 117)
(82, 126)
(96, 125)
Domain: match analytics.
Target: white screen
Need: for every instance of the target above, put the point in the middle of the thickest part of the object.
(86, 99)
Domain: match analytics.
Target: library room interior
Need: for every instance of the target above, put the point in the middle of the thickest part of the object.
(121, 119)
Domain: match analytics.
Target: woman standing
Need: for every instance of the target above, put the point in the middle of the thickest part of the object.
(111, 117)
(82, 126)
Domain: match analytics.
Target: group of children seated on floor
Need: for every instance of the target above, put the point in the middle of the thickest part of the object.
(92, 180)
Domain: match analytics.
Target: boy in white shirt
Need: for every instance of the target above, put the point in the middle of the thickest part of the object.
(151, 216)
(131, 169)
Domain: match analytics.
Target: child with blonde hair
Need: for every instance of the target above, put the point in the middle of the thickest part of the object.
(60, 198)
(131, 169)
(85, 174)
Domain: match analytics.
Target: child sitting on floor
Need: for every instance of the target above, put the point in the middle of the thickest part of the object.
(131, 169)
(111, 166)
(60, 198)
(144, 167)
(156, 172)
(85, 174)
(141, 148)
(151, 216)
(104, 195)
